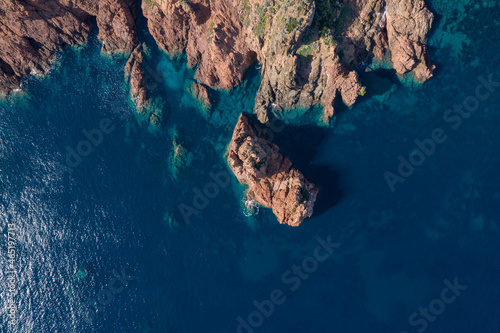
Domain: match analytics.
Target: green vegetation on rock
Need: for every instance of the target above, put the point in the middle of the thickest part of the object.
(247, 10)
(291, 24)
(257, 15)
(151, 3)
(326, 12)
(259, 165)
(362, 91)
(264, 13)
(330, 18)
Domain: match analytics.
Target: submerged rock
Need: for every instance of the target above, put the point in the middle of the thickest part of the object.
(201, 94)
(272, 180)
(180, 157)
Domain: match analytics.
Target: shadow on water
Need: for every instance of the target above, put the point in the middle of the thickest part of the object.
(437, 18)
(379, 81)
(327, 180)
(301, 144)
(432, 50)
(252, 73)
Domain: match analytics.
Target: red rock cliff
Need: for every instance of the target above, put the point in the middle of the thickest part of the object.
(32, 30)
(308, 48)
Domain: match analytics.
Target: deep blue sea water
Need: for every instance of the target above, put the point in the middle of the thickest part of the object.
(116, 211)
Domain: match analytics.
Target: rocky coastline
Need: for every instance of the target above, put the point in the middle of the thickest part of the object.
(308, 50)
(32, 31)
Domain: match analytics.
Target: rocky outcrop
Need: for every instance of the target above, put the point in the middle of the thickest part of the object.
(32, 30)
(134, 75)
(116, 25)
(201, 94)
(272, 180)
(308, 49)
(298, 76)
(397, 27)
(408, 23)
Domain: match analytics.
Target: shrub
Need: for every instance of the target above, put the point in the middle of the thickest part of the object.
(291, 24)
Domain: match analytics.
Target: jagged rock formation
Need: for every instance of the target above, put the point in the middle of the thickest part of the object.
(32, 30)
(209, 32)
(308, 49)
(272, 180)
(134, 75)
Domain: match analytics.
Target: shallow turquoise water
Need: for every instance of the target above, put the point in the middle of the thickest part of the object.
(117, 211)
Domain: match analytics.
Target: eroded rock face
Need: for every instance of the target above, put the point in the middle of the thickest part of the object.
(304, 61)
(116, 25)
(272, 180)
(134, 75)
(32, 30)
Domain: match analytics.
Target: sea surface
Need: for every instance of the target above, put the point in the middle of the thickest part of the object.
(102, 245)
